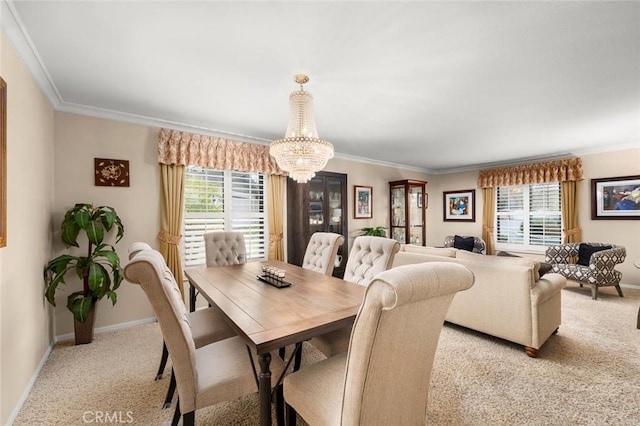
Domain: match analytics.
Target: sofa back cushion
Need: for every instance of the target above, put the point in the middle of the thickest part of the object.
(433, 251)
(534, 264)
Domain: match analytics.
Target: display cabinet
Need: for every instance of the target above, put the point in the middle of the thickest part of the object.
(319, 205)
(408, 218)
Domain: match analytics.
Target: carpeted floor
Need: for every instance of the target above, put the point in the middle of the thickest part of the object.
(587, 374)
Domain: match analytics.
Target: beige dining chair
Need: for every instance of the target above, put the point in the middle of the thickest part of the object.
(384, 378)
(205, 376)
(368, 257)
(321, 252)
(207, 326)
(221, 248)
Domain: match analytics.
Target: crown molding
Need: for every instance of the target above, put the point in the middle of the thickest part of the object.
(22, 43)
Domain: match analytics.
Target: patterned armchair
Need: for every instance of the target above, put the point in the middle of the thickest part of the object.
(479, 246)
(599, 273)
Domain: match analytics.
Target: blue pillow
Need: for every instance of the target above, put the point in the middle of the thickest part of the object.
(586, 250)
(463, 243)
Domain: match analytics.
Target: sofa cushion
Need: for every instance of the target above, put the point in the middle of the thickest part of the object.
(463, 243)
(516, 260)
(586, 250)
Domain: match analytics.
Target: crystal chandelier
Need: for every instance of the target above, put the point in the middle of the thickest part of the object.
(301, 152)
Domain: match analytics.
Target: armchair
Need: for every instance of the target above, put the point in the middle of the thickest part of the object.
(598, 272)
(473, 244)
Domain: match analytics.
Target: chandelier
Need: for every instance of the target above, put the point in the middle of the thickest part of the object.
(301, 153)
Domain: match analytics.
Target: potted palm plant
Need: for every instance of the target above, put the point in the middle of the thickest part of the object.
(99, 270)
(374, 231)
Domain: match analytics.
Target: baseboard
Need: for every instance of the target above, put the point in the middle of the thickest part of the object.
(27, 389)
(633, 286)
(107, 328)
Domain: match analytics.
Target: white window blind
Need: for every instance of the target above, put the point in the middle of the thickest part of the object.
(528, 216)
(223, 200)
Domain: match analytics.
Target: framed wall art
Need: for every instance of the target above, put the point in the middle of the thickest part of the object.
(111, 172)
(459, 206)
(615, 198)
(363, 202)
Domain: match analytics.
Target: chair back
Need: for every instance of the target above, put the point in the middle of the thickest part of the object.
(394, 340)
(148, 269)
(479, 245)
(368, 257)
(224, 248)
(137, 247)
(321, 252)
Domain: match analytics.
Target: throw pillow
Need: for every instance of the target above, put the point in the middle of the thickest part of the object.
(586, 250)
(506, 254)
(544, 268)
(463, 243)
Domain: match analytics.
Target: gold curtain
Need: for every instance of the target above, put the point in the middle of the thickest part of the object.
(570, 191)
(553, 171)
(275, 197)
(171, 207)
(488, 218)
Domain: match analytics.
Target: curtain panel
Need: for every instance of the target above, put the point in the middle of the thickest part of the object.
(189, 149)
(526, 174)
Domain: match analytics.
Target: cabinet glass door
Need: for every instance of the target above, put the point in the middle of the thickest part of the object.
(316, 205)
(334, 195)
(415, 213)
(398, 218)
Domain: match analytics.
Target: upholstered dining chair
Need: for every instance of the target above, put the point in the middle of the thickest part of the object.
(205, 376)
(368, 257)
(221, 248)
(207, 326)
(384, 377)
(321, 252)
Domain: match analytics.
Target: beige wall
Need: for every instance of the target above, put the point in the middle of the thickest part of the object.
(78, 140)
(25, 319)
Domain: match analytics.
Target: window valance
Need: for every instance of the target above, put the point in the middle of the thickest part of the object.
(552, 171)
(189, 149)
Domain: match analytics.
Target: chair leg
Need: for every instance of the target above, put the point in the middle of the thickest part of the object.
(280, 406)
(163, 361)
(189, 419)
(192, 298)
(298, 360)
(171, 391)
(619, 290)
(594, 292)
(176, 414)
(291, 415)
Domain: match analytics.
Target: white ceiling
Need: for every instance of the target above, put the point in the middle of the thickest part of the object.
(436, 86)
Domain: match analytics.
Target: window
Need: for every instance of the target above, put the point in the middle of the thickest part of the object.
(528, 217)
(223, 200)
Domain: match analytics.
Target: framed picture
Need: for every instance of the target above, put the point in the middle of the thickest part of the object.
(459, 206)
(363, 202)
(615, 198)
(3, 163)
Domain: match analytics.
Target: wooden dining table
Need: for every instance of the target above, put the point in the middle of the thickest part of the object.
(270, 318)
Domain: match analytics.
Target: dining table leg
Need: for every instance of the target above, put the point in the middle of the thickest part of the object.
(264, 389)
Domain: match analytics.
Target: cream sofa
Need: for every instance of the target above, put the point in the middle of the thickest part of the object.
(508, 300)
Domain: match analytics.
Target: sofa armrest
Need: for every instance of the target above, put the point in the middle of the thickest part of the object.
(546, 287)
(606, 260)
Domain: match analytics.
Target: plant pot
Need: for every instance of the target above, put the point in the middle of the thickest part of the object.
(84, 331)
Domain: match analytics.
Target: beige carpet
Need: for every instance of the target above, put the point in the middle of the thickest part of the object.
(588, 374)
